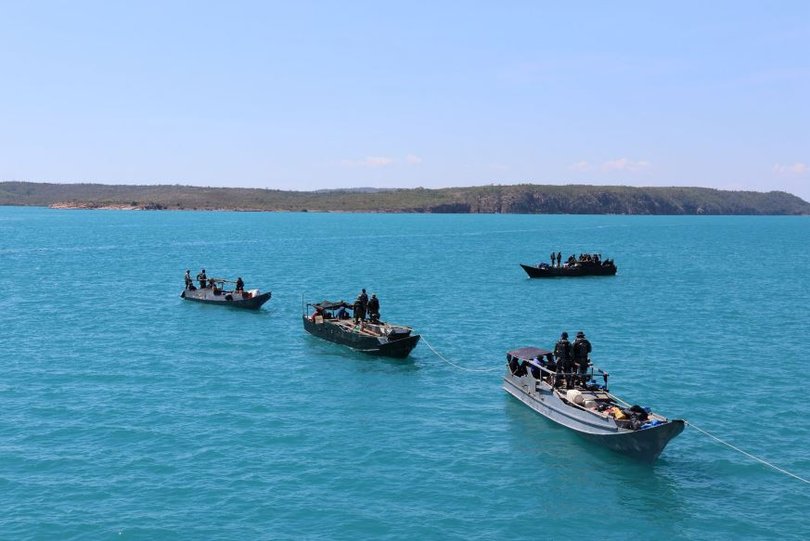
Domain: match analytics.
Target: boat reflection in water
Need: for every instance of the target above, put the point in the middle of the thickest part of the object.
(577, 402)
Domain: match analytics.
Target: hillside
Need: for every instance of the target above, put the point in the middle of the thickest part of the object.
(525, 199)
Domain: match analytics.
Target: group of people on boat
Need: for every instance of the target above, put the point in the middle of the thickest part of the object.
(205, 282)
(364, 309)
(586, 259)
(569, 361)
(365, 306)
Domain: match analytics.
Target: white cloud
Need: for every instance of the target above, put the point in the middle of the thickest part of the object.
(623, 164)
(581, 166)
(369, 161)
(413, 160)
(797, 168)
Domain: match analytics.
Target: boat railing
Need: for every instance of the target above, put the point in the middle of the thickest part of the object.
(556, 376)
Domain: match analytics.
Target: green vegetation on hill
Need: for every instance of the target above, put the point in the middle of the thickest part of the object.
(524, 198)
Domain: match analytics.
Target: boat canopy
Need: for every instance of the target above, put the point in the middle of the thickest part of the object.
(528, 353)
(331, 305)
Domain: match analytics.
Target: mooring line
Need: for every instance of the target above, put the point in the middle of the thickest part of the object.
(442, 357)
(777, 468)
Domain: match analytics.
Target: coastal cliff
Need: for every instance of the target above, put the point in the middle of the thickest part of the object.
(516, 199)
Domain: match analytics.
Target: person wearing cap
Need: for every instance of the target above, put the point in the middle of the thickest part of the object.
(202, 278)
(581, 348)
(374, 308)
(189, 281)
(563, 353)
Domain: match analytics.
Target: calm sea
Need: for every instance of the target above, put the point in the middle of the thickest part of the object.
(128, 413)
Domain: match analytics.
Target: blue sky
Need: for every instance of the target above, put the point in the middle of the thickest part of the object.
(309, 95)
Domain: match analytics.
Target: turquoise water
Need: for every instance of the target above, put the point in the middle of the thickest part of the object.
(128, 413)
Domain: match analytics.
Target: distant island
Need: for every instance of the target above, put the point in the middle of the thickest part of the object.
(513, 199)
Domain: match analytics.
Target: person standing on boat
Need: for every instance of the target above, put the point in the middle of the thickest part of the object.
(559, 258)
(189, 281)
(374, 308)
(564, 354)
(553, 257)
(362, 302)
(240, 286)
(202, 278)
(581, 347)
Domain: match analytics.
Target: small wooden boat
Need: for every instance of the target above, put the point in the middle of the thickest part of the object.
(216, 293)
(586, 407)
(334, 321)
(580, 268)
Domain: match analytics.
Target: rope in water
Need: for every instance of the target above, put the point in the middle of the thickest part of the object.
(442, 357)
(777, 468)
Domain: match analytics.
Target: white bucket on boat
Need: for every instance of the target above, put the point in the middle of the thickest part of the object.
(590, 404)
(575, 396)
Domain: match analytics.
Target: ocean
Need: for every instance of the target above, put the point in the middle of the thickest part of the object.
(129, 413)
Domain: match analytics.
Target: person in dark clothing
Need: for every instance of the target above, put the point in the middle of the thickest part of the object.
(581, 347)
(189, 281)
(374, 308)
(359, 310)
(564, 354)
(559, 258)
(360, 306)
(240, 286)
(203, 279)
(553, 257)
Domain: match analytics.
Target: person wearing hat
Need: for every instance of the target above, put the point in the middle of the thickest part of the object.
(202, 278)
(564, 354)
(374, 308)
(581, 348)
(189, 281)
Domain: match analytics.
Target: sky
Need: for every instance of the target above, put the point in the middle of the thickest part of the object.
(312, 95)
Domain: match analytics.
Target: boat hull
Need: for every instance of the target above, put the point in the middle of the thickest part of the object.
(535, 271)
(642, 444)
(205, 296)
(371, 345)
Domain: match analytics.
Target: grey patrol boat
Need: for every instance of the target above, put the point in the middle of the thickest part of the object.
(579, 403)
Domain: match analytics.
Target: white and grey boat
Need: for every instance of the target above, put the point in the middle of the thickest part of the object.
(215, 293)
(585, 406)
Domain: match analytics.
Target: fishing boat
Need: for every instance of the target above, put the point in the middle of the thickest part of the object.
(578, 402)
(580, 268)
(215, 293)
(335, 321)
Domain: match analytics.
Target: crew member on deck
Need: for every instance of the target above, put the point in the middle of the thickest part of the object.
(581, 347)
(564, 354)
(559, 258)
(240, 286)
(374, 308)
(360, 306)
(189, 281)
(202, 278)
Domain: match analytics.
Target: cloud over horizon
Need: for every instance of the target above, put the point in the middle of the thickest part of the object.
(618, 164)
(797, 168)
(381, 161)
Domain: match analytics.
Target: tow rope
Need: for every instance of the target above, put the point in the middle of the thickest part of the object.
(749, 455)
(442, 357)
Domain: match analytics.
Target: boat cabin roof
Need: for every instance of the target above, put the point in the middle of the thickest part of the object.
(331, 305)
(528, 353)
